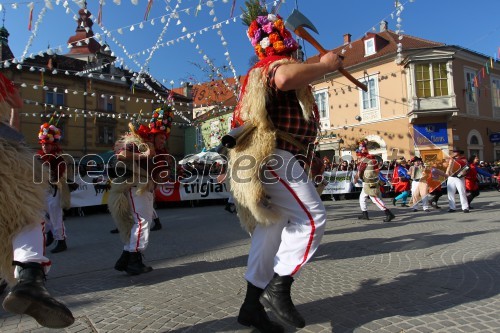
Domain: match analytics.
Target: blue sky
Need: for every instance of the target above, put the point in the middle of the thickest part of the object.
(472, 25)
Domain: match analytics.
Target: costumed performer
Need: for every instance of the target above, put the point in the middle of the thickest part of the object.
(276, 201)
(22, 240)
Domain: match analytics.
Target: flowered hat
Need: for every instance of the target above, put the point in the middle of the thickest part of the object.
(49, 133)
(267, 32)
(161, 122)
(362, 149)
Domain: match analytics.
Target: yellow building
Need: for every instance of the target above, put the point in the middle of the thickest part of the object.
(93, 98)
(423, 98)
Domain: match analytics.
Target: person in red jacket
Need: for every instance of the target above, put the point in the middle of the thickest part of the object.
(471, 181)
(401, 183)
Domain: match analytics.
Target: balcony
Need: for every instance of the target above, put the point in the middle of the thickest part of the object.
(432, 106)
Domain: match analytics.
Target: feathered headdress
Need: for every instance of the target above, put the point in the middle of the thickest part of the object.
(49, 133)
(266, 31)
(161, 122)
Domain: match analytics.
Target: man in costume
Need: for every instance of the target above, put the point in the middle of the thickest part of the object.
(456, 171)
(276, 201)
(141, 164)
(58, 196)
(22, 243)
(369, 173)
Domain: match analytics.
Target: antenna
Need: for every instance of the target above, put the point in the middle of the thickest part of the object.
(3, 18)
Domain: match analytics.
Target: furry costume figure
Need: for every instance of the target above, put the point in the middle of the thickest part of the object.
(250, 198)
(16, 182)
(118, 203)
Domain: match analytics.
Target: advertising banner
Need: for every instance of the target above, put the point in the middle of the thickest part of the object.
(196, 188)
(91, 191)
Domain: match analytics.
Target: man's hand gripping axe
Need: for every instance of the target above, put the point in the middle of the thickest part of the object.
(296, 22)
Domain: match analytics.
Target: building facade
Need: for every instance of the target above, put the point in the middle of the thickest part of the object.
(424, 98)
(92, 98)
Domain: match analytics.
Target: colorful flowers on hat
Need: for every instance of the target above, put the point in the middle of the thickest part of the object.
(269, 36)
(49, 133)
(161, 122)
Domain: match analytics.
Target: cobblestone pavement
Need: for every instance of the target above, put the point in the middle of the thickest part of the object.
(422, 272)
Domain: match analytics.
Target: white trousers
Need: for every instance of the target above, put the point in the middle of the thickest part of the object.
(454, 185)
(142, 211)
(29, 245)
(55, 221)
(285, 246)
(376, 200)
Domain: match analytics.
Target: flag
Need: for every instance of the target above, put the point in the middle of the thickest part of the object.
(170, 97)
(31, 6)
(148, 9)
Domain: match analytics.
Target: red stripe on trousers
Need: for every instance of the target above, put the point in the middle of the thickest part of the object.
(311, 220)
(138, 221)
(379, 202)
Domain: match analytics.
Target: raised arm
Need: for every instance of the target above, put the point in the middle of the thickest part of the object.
(295, 76)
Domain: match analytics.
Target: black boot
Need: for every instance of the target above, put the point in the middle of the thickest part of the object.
(122, 262)
(363, 216)
(49, 238)
(252, 313)
(114, 231)
(135, 265)
(388, 215)
(3, 285)
(30, 297)
(157, 224)
(60, 246)
(277, 297)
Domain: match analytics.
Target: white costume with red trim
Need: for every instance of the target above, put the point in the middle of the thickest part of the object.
(286, 245)
(142, 212)
(285, 217)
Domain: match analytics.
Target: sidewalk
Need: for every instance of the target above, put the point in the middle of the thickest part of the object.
(422, 272)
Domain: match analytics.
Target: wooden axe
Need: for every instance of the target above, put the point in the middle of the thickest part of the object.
(296, 22)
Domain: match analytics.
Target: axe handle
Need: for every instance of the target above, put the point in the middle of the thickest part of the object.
(301, 32)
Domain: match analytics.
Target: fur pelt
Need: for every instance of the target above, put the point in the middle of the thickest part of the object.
(252, 204)
(22, 199)
(118, 198)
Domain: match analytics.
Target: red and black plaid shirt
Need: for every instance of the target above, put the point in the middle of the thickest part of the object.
(286, 114)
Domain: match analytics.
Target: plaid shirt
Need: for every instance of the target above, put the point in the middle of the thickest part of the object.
(286, 114)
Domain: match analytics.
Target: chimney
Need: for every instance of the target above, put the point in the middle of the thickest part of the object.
(188, 90)
(347, 39)
(384, 26)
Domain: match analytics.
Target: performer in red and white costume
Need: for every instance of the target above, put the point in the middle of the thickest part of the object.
(457, 169)
(276, 203)
(23, 263)
(58, 193)
(369, 173)
(141, 155)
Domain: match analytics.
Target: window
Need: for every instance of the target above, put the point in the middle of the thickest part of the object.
(470, 88)
(369, 98)
(369, 47)
(431, 80)
(54, 98)
(474, 140)
(106, 103)
(495, 92)
(322, 102)
(106, 134)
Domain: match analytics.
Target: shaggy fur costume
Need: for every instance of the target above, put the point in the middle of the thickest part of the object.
(118, 202)
(252, 204)
(23, 201)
